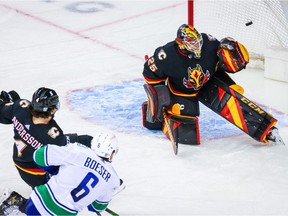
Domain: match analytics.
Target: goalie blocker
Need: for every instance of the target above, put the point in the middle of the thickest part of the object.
(237, 109)
(184, 129)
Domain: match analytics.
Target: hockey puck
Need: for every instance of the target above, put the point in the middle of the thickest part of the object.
(249, 23)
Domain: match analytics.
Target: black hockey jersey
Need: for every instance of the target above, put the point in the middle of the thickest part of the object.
(29, 136)
(185, 76)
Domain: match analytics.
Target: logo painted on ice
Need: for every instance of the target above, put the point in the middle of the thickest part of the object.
(88, 6)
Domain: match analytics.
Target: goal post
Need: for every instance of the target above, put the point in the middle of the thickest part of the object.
(261, 25)
(190, 12)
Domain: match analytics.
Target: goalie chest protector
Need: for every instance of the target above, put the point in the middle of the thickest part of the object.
(237, 109)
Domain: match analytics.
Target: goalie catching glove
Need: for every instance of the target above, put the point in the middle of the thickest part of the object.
(233, 56)
(158, 97)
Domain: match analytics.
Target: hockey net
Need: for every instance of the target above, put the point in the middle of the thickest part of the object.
(258, 24)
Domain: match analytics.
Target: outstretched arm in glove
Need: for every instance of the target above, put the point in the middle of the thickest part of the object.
(8, 97)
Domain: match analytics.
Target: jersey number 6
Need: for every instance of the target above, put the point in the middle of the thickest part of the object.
(84, 188)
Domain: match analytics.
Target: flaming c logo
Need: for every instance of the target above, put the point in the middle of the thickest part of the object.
(196, 78)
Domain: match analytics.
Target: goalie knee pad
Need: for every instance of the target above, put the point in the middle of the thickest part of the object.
(158, 97)
(156, 125)
(185, 129)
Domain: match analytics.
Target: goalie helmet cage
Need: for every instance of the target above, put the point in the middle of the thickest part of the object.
(258, 24)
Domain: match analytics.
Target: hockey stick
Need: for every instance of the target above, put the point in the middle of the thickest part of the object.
(118, 191)
(109, 211)
(174, 143)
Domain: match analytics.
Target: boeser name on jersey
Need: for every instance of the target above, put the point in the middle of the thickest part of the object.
(94, 165)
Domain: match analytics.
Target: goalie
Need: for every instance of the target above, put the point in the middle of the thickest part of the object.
(194, 67)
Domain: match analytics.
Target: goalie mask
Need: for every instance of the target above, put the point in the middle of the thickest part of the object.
(233, 56)
(45, 99)
(189, 40)
(105, 145)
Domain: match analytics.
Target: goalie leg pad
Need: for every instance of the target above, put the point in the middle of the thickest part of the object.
(156, 125)
(158, 97)
(185, 129)
(237, 109)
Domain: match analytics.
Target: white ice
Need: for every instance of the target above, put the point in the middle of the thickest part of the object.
(49, 43)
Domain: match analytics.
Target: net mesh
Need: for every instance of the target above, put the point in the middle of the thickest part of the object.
(257, 24)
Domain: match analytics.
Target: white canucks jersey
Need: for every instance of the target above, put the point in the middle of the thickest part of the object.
(83, 179)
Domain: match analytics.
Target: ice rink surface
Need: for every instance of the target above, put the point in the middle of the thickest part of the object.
(90, 46)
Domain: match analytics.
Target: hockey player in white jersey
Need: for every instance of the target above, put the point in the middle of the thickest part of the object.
(85, 178)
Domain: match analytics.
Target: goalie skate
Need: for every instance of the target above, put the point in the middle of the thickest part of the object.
(274, 136)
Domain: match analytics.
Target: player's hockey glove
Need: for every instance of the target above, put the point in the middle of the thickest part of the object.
(83, 139)
(9, 97)
(92, 209)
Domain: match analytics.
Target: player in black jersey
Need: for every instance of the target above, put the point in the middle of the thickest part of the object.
(34, 126)
(185, 71)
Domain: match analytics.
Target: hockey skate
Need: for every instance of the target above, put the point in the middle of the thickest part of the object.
(10, 206)
(273, 135)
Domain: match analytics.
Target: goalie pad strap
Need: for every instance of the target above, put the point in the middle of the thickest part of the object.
(158, 97)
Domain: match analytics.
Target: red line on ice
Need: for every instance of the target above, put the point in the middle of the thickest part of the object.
(84, 36)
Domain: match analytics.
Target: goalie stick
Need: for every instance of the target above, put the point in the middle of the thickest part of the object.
(174, 143)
